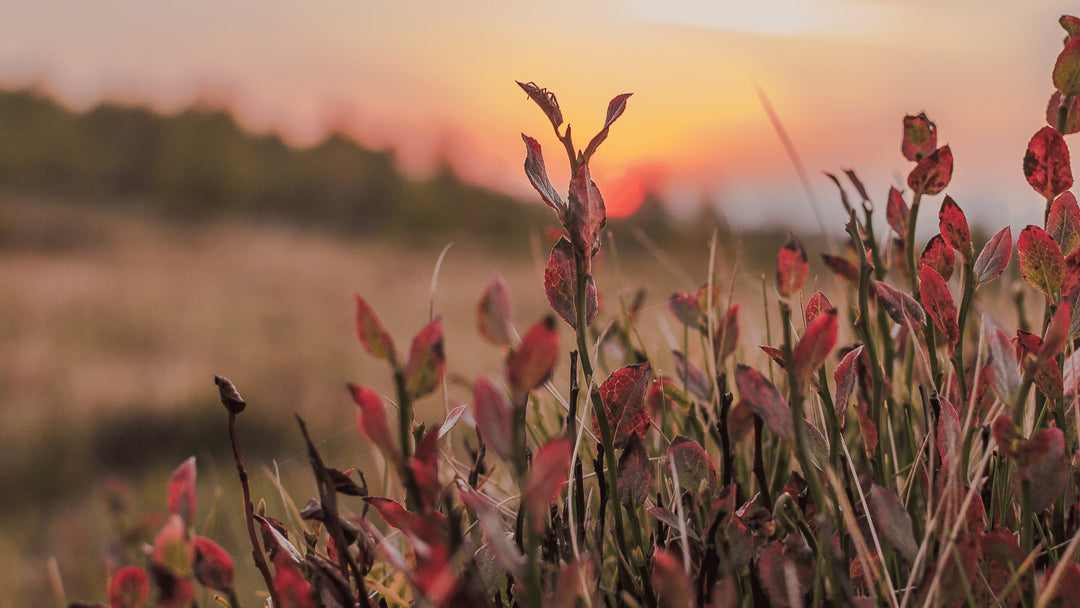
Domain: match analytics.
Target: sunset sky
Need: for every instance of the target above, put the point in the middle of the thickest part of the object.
(435, 80)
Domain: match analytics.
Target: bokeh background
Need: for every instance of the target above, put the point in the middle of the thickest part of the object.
(198, 188)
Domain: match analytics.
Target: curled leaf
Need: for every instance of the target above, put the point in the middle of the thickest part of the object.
(538, 177)
(1046, 163)
(615, 109)
(545, 99)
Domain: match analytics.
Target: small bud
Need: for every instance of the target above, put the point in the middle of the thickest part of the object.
(230, 398)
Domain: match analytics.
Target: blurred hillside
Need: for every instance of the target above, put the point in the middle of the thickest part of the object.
(200, 165)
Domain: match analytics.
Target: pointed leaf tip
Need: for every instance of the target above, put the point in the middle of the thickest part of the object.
(994, 258)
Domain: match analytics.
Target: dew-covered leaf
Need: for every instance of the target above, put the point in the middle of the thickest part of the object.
(1041, 263)
(635, 473)
(954, 228)
(548, 474)
(693, 465)
(181, 491)
(939, 304)
(891, 519)
(765, 401)
(933, 173)
(920, 137)
(371, 332)
(427, 360)
(623, 396)
(994, 258)
(494, 312)
(791, 267)
(939, 256)
(531, 363)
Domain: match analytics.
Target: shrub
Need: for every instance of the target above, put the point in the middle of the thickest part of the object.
(952, 483)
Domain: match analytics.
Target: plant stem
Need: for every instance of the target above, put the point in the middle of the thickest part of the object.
(249, 514)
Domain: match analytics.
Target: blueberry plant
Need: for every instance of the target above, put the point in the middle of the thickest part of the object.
(953, 482)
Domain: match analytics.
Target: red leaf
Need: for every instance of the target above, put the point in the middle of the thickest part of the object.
(1070, 24)
(687, 309)
(1041, 462)
(530, 365)
(1067, 593)
(453, 418)
(791, 267)
(662, 393)
(560, 285)
(694, 467)
(372, 420)
(994, 258)
(948, 434)
(765, 401)
(787, 571)
(672, 584)
(814, 347)
(1041, 263)
(1057, 333)
(866, 426)
(691, 374)
(290, 585)
(1072, 117)
(932, 173)
(845, 376)
(920, 137)
(818, 304)
(493, 416)
(213, 566)
(1004, 556)
(427, 360)
(538, 177)
(727, 335)
(954, 228)
(615, 109)
(623, 395)
(545, 99)
(372, 335)
(585, 215)
(494, 312)
(939, 256)
(129, 588)
(395, 515)
(549, 472)
(901, 308)
(424, 466)
(939, 304)
(173, 550)
(635, 473)
(1046, 163)
(892, 520)
(776, 355)
(897, 213)
(1067, 69)
(182, 491)
(842, 268)
(1063, 223)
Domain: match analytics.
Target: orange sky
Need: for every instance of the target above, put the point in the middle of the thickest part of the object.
(436, 80)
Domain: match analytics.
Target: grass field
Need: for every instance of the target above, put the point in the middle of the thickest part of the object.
(112, 327)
